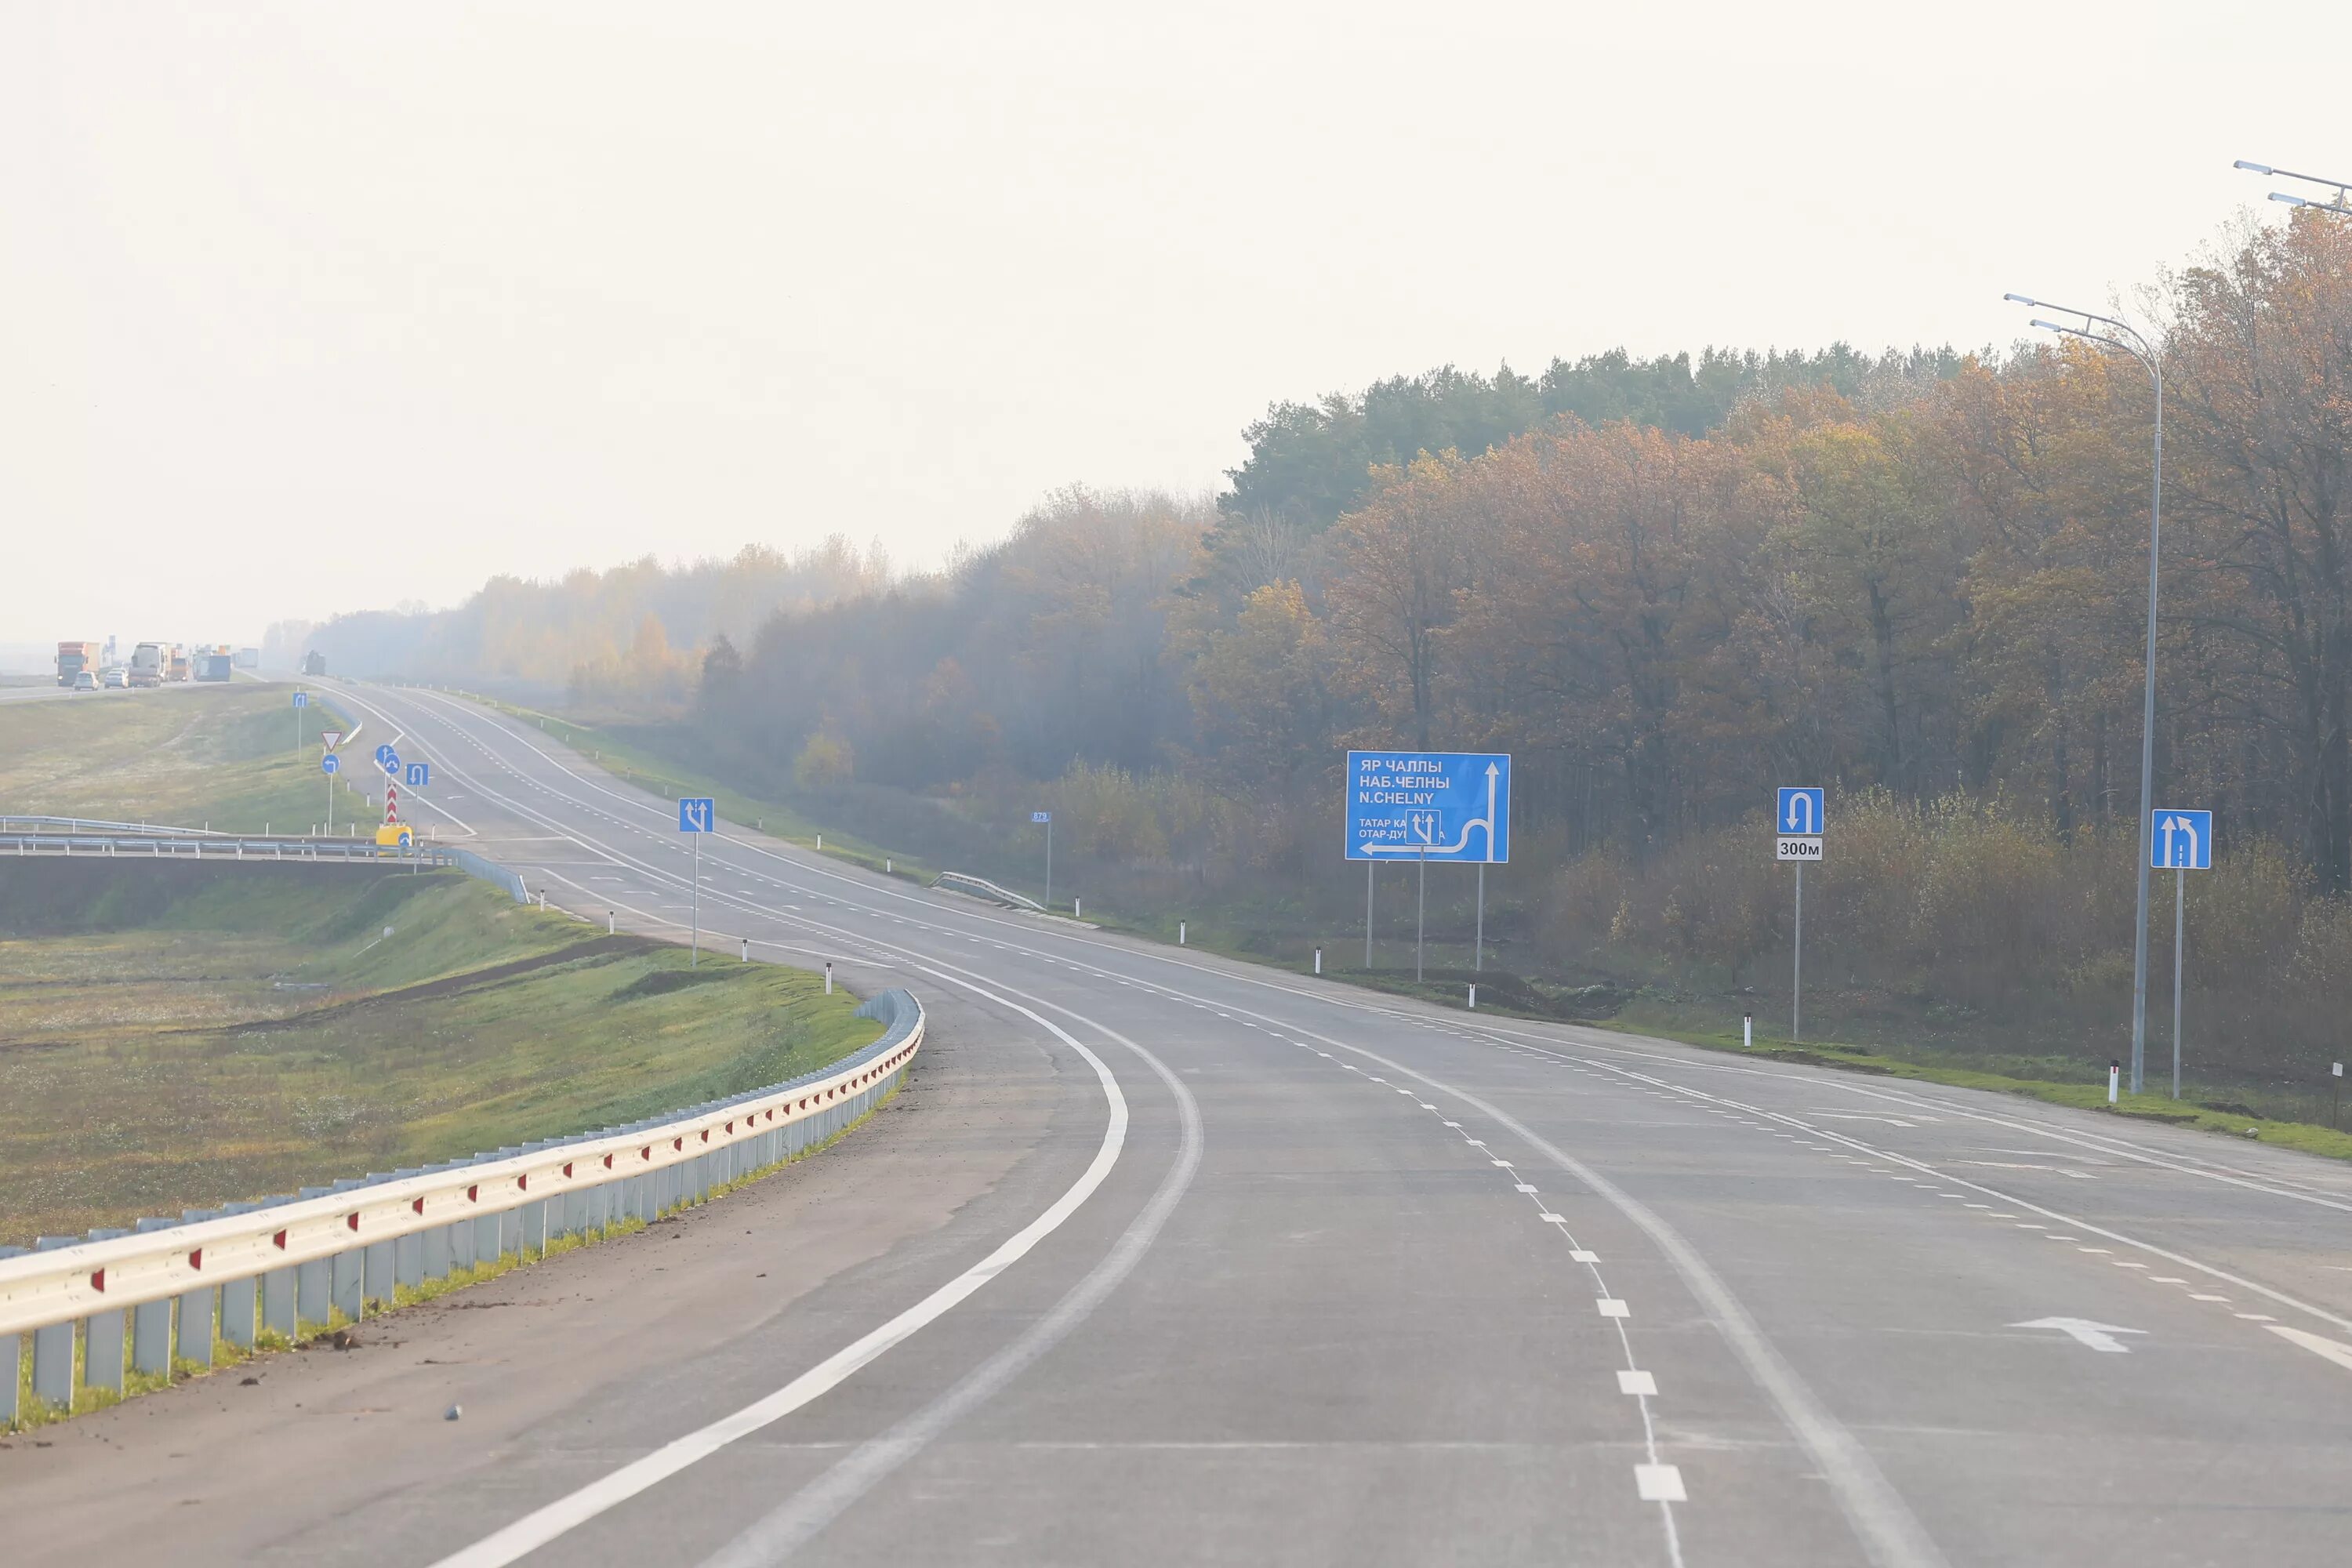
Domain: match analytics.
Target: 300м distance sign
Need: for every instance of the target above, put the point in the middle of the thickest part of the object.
(1798, 847)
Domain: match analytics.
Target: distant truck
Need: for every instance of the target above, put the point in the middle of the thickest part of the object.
(248, 658)
(314, 663)
(218, 663)
(178, 668)
(74, 658)
(151, 664)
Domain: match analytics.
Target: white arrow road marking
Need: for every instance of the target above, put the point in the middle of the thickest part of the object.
(2098, 1336)
(2333, 1349)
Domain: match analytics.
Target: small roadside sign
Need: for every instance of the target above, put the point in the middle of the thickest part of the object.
(694, 814)
(2182, 840)
(330, 764)
(331, 739)
(1802, 848)
(301, 699)
(1803, 810)
(382, 752)
(1041, 816)
(419, 774)
(389, 761)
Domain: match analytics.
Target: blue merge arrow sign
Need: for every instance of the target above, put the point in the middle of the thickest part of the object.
(2183, 840)
(694, 814)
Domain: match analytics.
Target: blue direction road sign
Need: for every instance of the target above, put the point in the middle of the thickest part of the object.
(382, 753)
(390, 761)
(695, 815)
(1429, 805)
(419, 774)
(1041, 816)
(2183, 840)
(1803, 809)
(301, 699)
(328, 764)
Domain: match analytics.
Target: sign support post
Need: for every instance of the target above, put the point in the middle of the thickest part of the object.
(1432, 806)
(1478, 943)
(695, 815)
(1419, 903)
(1800, 823)
(2178, 898)
(1047, 818)
(2182, 842)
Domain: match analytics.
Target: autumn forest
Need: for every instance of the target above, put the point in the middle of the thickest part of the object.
(1665, 585)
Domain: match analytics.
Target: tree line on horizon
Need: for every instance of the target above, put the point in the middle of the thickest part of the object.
(1664, 587)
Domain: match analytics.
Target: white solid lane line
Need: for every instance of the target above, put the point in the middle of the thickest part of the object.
(817, 1505)
(544, 1524)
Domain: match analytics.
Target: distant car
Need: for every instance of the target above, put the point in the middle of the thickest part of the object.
(118, 680)
(85, 681)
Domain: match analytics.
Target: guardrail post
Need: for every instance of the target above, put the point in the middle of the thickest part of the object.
(314, 1280)
(12, 1359)
(199, 1309)
(53, 1347)
(433, 1253)
(101, 1339)
(277, 1292)
(347, 1282)
(12, 1364)
(510, 1222)
(407, 1251)
(461, 1245)
(240, 1299)
(151, 1322)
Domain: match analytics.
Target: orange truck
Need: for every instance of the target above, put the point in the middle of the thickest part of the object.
(74, 658)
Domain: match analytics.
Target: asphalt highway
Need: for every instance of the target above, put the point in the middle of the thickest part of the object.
(1163, 1259)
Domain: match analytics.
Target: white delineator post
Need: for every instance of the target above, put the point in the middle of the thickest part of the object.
(2114, 1075)
(828, 977)
(1748, 1031)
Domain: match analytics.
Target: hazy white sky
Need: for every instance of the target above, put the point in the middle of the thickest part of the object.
(307, 308)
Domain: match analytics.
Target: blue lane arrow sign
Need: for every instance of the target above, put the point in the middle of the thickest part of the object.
(1803, 808)
(301, 699)
(694, 814)
(382, 752)
(2183, 840)
(390, 761)
(328, 764)
(419, 774)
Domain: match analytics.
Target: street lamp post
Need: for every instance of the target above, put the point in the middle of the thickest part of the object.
(2340, 204)
(2140, 350)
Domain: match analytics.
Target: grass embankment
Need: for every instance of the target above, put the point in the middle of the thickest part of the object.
(239, 757)
(178, 1036)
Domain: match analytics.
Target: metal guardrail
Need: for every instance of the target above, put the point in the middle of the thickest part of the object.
(304, 851)
(982, 888)
(218, 847)
(288, 1265)
(14, 823)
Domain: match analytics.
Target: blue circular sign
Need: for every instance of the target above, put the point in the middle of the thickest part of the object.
(328, 763)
